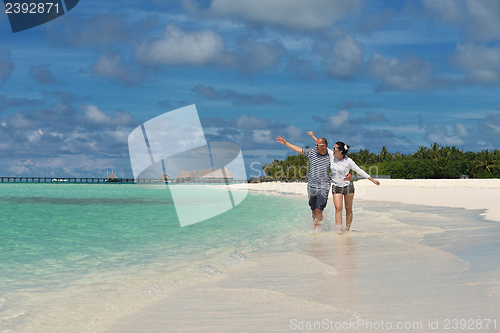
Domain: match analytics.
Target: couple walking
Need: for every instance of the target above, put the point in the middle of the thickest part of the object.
(321, 161)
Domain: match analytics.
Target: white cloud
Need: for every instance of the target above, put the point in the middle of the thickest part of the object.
(256, 56)
(485, 17)
(293, 133)
(492, 128)
(252, 122)
(290, 14)
(461, 130)
(441, 136)
(78, 165)
(448, 9)
(113, 66)
(91, 133)
(95, 116)
(339, 119)
(33, 136)
(6, 65)
(42, 75)
(19, 121)
(479, 20)
(490, 125)
(235, 97)
(251, 132)
(413, 75)
(345, 57)
(179, 48)
(481, 63)
(207, 48)
(119, 136)
(94, 30)
(262, 137)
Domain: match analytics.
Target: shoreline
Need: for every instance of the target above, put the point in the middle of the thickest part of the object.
(400, 263)
(459, 193)
(397, 255)
(122, 247)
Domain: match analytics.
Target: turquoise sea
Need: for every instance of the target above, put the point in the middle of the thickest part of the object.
(78, 257)
(54, 236)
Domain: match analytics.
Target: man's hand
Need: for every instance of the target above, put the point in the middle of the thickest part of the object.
(348, 177)
(312, 135)
(281, 139)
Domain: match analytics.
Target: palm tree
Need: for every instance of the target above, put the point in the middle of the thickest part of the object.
(486, 161)
(364, 156)
(384, 154)
(471, 168)
(422, 153)
(434, 151)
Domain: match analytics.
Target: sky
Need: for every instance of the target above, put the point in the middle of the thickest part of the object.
(399, 74)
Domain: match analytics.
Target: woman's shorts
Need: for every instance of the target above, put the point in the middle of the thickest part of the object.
(349, 189)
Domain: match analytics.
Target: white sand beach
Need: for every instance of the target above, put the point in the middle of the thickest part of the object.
(422, 256)
(463, 193)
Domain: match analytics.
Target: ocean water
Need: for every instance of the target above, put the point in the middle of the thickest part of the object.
(63, 244)
(419, 268)
(78, 257)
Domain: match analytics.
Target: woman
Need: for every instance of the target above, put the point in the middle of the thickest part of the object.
(343, 190)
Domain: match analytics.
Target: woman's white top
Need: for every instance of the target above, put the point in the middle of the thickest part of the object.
(340, 169)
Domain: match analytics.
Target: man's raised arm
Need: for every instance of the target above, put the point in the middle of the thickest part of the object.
(282, 140)
(312, 136)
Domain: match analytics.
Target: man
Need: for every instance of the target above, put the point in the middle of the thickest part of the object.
(318, 185)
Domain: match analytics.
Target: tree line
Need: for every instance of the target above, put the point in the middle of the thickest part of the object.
(434, 162)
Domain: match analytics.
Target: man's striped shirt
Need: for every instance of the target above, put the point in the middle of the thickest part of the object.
(319, 168)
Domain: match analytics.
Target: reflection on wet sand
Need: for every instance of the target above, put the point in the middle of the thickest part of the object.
(338, 290)
(403, 265)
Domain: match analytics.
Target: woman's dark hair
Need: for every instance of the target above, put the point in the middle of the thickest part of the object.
(343, 147)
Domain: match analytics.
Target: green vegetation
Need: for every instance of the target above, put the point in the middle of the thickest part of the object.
(294, 167)
(435, 162)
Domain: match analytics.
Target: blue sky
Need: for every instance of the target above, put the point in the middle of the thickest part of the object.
(399, 74)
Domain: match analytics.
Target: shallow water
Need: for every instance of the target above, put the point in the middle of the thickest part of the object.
(423, 268)
(77, 257)
(61, 242)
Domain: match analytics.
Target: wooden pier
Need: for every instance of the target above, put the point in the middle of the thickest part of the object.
(93, 180)
(62, 180)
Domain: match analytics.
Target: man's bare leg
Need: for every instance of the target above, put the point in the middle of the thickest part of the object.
(318, 217)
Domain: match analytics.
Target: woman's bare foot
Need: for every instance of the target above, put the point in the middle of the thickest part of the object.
(338, 229)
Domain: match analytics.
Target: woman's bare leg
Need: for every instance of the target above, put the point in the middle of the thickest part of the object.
(338, 202)
(348, 199)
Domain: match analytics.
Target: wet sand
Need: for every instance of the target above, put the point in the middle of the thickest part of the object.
(421, 254)
(462, 193)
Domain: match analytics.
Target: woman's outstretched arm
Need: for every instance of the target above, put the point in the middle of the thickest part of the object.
(363, 173)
